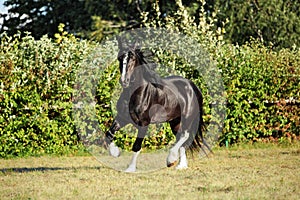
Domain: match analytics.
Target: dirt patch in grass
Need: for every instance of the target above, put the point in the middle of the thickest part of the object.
(246, 172)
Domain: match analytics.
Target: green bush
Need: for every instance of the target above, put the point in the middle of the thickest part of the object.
(262, 88)
(259, 81)
(36, 92)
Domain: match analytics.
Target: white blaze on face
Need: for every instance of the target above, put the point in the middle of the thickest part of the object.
(125, 59)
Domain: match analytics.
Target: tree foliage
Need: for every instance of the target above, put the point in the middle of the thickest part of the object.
(43, 17)
(271, 21)
(91, 19)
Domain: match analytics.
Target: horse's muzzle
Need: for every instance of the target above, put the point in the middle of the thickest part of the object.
(124, 83)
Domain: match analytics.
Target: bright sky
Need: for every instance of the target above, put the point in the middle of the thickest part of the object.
(2, 7)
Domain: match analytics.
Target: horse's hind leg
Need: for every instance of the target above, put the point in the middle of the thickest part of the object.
(137, 149)
(183, 163)
(174, 151)
(180, 140)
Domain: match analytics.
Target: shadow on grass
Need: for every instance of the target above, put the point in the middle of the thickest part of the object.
(44, 169)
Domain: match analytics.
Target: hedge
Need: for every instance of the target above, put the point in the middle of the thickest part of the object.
(263, 92)
(36, 78)
(37, 81)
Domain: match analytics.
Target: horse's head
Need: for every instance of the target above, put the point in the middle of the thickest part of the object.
(128, 57)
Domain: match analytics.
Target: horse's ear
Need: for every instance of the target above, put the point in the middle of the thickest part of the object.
(137, 45)
(119, 39)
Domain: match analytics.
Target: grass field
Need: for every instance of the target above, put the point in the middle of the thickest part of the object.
(248, 172)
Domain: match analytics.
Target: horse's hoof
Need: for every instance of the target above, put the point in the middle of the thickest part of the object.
(171, 164)
(114, 150)
(172, 158)
(130, 170)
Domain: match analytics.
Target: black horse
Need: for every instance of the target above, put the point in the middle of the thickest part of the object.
(147, 98)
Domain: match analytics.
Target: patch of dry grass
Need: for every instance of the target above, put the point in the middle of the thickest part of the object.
(237, 173)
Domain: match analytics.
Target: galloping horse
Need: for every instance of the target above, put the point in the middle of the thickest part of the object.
(148, 98)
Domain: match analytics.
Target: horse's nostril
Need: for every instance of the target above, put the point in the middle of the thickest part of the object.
(124, 83)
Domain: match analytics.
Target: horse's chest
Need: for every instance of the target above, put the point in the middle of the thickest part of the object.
(158, 113)
(146, 114)
(147, 105)
(155, 111)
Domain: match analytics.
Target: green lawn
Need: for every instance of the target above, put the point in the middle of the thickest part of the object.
(248, 172)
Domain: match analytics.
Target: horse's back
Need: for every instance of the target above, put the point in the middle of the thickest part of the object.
(180, 82)
(185, 88)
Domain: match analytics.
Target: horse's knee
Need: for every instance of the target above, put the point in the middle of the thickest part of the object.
(111, 132)
(137, 145)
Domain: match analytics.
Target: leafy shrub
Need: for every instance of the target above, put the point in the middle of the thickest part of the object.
(36, 92)
(262, 88)
(258, 80)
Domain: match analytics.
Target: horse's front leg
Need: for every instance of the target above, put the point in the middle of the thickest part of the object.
(137, 148)
(109, 136)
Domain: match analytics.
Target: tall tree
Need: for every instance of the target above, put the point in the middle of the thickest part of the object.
(43, 17)
(272, 21)
(87, 18)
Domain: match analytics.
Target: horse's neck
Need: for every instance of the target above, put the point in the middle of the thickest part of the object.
(145, 77)
(144, 80)
(151, 77)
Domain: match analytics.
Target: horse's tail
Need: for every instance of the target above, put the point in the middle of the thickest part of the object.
(198, 141)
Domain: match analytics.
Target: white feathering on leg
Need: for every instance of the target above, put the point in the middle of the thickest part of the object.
(173, 155)
(183, 163)
(114, 150)
(132, 165)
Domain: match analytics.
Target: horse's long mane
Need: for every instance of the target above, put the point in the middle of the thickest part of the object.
(146, 60)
